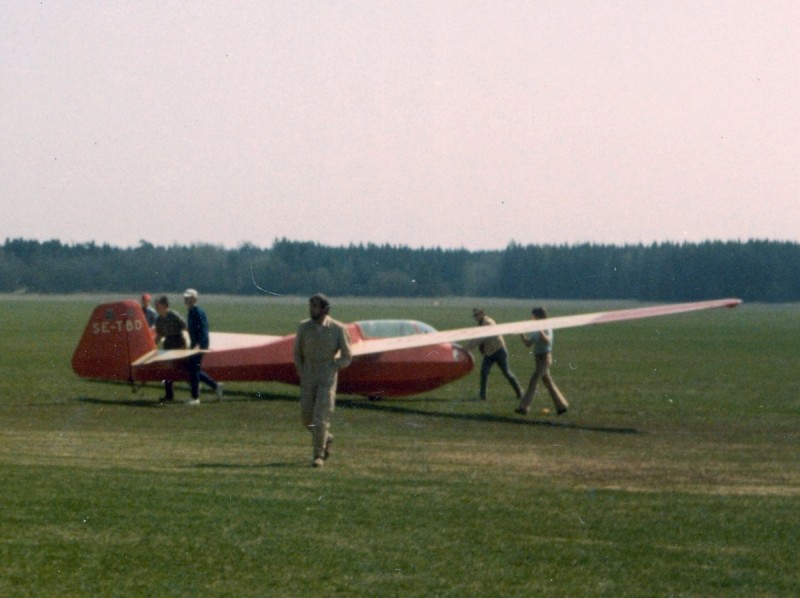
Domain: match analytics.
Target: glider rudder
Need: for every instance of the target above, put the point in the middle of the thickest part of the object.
(116, 335)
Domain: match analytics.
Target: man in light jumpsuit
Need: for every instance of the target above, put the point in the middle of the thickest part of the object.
(321, 349)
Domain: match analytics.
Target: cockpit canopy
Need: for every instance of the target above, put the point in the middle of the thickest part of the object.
(393, 328)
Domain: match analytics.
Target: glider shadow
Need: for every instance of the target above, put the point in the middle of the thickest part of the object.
(479, 417)
(231, 396)
(273, 465)
(382, 406)
(140, 403)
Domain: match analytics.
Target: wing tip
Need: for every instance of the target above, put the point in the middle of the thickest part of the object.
(733, 302)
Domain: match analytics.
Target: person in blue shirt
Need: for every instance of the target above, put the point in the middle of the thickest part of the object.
(542, 343)
(197, 323)
(149, 313)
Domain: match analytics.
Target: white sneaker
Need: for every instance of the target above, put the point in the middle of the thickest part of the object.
(193, 402)
(218, 390)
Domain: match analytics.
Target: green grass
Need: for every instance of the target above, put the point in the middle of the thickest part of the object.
(675, 472)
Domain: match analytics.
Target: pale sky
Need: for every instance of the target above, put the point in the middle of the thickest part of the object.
(421, 123)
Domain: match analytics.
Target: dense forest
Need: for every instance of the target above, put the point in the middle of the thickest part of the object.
(764, 271)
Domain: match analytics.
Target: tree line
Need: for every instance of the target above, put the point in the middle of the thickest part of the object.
(765, 271)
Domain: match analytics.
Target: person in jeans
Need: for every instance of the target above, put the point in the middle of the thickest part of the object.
(197, 322)
(494, 351)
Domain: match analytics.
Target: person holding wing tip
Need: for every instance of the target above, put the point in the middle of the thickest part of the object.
(542, 343)
(321, 349)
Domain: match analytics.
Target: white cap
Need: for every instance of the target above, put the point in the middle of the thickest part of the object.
(190, 293)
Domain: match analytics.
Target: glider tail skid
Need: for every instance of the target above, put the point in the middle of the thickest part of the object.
(116, 335)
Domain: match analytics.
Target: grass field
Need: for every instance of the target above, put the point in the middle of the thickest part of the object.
(675, 473)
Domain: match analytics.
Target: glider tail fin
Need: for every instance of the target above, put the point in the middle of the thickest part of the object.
(116, 335)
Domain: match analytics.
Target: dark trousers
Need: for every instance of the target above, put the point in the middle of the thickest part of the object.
(197, 375)
(499, 357)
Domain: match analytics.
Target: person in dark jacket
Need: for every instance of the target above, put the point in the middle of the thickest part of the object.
(198, 338)
(169, 327)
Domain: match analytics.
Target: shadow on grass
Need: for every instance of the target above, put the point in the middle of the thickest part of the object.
(384, 406)
(275, 465)
(146, 403)
(182, 396)
(480, 417)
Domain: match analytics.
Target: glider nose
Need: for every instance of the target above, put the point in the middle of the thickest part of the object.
(463, 358)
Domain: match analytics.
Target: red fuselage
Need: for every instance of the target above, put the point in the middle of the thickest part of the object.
(391, 374)
(116, 337)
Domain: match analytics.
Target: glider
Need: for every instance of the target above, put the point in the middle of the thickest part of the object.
(391, 358)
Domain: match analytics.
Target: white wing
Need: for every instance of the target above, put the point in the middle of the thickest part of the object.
(169, 355)
(219, 341)
(476, 332)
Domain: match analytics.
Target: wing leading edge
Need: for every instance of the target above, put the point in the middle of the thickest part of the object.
(525, 326)
(220, 341)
